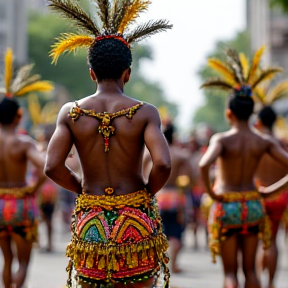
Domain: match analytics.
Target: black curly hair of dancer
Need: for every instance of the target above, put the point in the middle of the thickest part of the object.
(109, 58)
(240, 102)
(267, 116)
(8, 110)
(169, 132)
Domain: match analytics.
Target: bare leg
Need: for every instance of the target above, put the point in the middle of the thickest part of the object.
(48, 224)
(175, 247)
(24, 248)
(229, 249)
(270, 256)
(5, 244)
(195, 226)
(249, 247)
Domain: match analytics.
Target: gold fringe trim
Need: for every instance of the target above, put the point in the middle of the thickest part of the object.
(103, 256)
(135, 199)
(240, 196)
(17, 192)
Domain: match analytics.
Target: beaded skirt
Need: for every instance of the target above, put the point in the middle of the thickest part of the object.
(238, 211)
(117, 239)
(19, 212)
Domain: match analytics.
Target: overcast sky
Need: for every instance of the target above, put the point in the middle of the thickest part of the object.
(179, 53)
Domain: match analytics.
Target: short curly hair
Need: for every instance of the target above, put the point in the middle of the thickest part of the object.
(8, 110)
(267, 116)
(109, 58)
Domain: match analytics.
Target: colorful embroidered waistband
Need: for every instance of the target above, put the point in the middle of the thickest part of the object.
(240, 196)
(17, 192)
(136, 199)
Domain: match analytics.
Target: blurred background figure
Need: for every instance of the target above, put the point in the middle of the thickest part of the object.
(172, 197)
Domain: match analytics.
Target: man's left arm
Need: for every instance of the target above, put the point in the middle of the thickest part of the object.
(58, 150)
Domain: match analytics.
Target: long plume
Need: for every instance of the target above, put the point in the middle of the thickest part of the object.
(132, 13)
(8, 75)
(103, 11)
(218, 83)
(265, 75)
(221, 68)
(148, 29)
(74, 12)
(255, 65)
(278, 92)
(39, 86)
(245, 65)
(69, 42)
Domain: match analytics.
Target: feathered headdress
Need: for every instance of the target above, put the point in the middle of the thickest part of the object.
(237, 73)
(45, 115)
(267, 95)
(23, 83)
(115, 18)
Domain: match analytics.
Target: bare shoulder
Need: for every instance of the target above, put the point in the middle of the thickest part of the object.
(150, 113)
(64, 112)
(25, 141)
(219, 137)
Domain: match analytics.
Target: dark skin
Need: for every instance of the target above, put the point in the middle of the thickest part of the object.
(121, 167)
(15, 152)
(238, 153)
(269, 171)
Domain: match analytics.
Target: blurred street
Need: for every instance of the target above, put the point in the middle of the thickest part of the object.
(47, 270)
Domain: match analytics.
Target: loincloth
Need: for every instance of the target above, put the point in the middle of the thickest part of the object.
(117, 238)
(241, 213)
(275, 208)
(19, 212)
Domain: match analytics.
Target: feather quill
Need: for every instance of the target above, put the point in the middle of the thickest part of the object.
(278, 92)
(220, 67)
(132, 13)
(218, 83)
(74, 12)
(69, 42)
(148, 29)
(255, 65)
(265, 75)
(8, 62)
(245, 66)
(39, 86)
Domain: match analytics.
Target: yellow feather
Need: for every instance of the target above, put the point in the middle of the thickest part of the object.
(279, 91)
(260, 93)
(39, 86)
(34, 109)
(8, 62)
(245, 65)
(49, 112)
(132, 13)
(220, 67)
(255, 64)
(69, 42)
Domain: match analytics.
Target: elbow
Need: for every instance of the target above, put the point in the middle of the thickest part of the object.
(163, 166)
(50, 170)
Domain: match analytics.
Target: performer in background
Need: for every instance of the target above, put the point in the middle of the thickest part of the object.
(270, 171)
(238, 216)
(117, 236)
(18, 213)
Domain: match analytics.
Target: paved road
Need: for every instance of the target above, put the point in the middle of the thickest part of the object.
(48, 269)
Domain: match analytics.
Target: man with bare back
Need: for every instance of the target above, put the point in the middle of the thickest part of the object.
(270, 171)
(117, 238)
(238, 216)
(18, 213)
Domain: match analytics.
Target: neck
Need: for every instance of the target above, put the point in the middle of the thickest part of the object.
(111, 87)
(266, 130)
(241, 125)
(8, 129)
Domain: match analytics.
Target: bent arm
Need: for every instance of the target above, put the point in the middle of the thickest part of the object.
(58, 150)
(213, 151)
(159, 151)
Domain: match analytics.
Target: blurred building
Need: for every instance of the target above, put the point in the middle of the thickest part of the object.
(39, 5)
(13, 28)
(270, 27)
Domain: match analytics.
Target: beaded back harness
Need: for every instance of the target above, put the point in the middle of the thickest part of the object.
(105, 128)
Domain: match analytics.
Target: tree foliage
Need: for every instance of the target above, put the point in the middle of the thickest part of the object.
(213, 110)
(283, 4)
(72, 70)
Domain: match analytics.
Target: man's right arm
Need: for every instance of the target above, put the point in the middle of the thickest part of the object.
(58, 149)
(159, 151)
